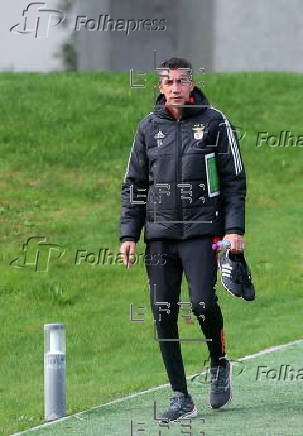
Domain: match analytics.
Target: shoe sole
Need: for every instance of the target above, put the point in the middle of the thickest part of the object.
(219, 407)
(251, 298)
(231, 293)
(187, 415)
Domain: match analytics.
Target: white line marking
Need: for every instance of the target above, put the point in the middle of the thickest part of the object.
(136, 394)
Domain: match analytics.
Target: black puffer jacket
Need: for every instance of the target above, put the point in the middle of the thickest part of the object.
(184, 178)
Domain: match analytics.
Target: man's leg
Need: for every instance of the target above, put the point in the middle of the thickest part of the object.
(200, 267)
(165, 278)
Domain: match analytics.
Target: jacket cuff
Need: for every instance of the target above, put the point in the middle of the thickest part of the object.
(128, 238)
(235, 230)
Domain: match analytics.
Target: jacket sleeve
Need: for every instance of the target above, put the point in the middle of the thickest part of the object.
(232, 177)
(134, 190)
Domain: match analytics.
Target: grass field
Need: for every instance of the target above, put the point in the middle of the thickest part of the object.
(267, 400)
(64, 146)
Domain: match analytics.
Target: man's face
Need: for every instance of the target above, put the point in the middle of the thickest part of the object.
(176, 85)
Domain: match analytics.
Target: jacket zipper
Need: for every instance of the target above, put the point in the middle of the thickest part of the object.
(178, 165)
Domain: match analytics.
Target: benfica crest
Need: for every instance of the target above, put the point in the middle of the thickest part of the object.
(159, 137)
(198, 131)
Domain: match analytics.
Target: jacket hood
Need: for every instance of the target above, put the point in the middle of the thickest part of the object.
(190, 109)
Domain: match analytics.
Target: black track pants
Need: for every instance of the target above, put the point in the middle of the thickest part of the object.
(165, 261)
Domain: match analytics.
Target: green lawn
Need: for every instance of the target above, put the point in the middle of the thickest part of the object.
(64, 145)
(266, 400)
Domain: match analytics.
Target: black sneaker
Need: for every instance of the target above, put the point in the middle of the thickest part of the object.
(236, 275)
(220, 388)
(181, 407)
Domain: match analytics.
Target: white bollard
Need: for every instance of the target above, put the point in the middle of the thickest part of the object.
(54, 371)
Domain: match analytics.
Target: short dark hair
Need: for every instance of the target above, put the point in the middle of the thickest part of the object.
(173, 64)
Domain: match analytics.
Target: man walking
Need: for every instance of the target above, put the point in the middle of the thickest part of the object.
(185, 183)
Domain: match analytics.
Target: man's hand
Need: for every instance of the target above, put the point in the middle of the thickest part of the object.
(236, 242)
(127, 250)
